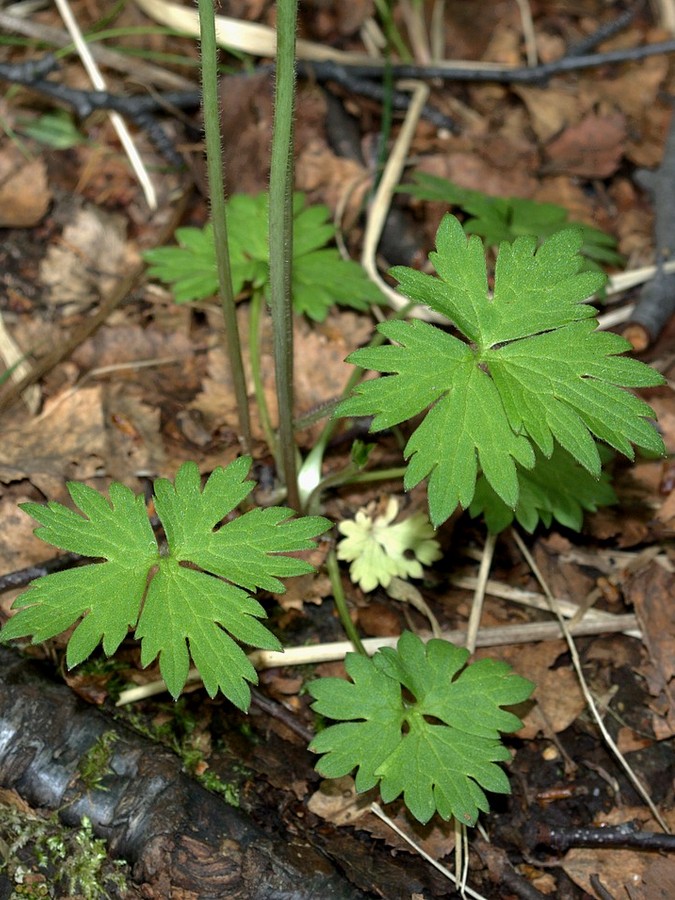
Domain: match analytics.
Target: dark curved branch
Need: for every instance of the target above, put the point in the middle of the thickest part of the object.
(137, 108)
(605, 31)
(626, 835)
(359, 79)
(656, 303)
(507, 75)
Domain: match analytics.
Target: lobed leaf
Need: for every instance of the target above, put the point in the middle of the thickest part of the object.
(439, 748)
(555, 488)
(499, 219)
(534, 371)
(321, 278)
(188, 610)
(380, 550)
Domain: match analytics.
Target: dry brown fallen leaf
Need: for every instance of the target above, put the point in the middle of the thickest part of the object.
(67, 443)
(651, 592)
(559, 700)
(624, 872)
(87, 261)
(24, 191)
(590, 149)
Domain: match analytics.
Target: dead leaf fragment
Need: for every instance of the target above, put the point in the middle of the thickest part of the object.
(134, 443)
(590, 149)
(550, 109)
(651, 592)
(559, 700)
(88, 261)
(66, 443)
(337, 801)
(623, 873)
(24, 192)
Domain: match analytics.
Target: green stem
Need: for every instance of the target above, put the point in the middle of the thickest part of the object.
(349, 475)
(214, 164)
(376, 475)
(281, 240)
(393, 35)
(341, 603)
(310, 474)
(257, 306)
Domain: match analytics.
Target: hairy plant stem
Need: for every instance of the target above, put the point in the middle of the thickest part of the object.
(214, 165)
(341, 603)
(257, 307)
(281, 240)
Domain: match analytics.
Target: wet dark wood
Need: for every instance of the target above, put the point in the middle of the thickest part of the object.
(177, 835)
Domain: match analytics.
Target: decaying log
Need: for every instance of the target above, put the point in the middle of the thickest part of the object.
(179, 838)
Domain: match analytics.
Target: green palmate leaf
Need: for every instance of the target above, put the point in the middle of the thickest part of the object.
(439, 748)
(535, 370)
(189, 268)
(177, 601)
(321, 277)
(498, 219)
(556, 488)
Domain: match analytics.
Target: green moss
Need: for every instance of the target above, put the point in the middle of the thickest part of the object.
(95, 764)
(43, 858)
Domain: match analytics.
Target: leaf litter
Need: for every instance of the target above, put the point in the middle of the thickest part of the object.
(76, 442)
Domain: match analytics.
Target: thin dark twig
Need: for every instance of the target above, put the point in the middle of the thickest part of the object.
(605, 31)
(506, 75)
(360, 79)
(278, 711)
(135, 67)
(600, 889)
(29, 71)
(656, 303)
(625, 835)
(137, 108)
(502, 872)
(365, 87)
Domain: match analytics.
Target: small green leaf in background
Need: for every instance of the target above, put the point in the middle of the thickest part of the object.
(191, 600)
(498, 219)
(321, 277)
(380, 550)
(555, 488)
(420, 722)
(533, 370)
(55, 129)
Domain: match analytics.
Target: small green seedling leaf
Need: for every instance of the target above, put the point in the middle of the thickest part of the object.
(533, 370)
(192, 600)
(321, 277)
(555, 488)
(55, 129)
(420, 722)
(380, 550)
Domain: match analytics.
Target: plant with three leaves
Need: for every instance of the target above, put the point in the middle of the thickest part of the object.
(420, 722)
(533, 372)
(174, 598)
(320, 276)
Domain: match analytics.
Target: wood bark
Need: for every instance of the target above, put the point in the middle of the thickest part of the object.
(181, 840)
